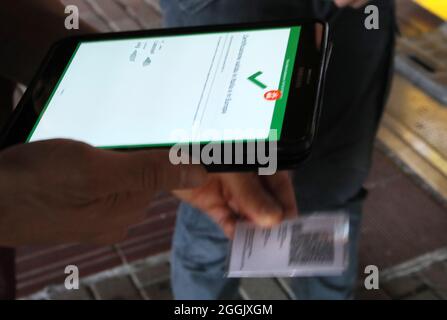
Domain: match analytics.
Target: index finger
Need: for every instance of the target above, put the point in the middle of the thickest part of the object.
(281, 187)
(254, 200)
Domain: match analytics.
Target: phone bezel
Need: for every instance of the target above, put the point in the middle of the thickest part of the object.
(299, 124)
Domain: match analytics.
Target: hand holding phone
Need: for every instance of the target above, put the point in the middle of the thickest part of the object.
(60, 191)
(233, 84)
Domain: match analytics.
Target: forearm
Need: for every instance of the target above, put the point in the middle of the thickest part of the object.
(7, 225)
(27, 31)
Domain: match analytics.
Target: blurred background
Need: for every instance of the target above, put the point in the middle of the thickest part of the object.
(405, 222)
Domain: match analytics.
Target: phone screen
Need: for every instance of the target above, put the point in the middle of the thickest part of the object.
(159, 91)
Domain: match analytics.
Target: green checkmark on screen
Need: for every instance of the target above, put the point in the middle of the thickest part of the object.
(253, 78)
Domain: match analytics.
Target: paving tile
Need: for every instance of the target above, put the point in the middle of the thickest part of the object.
(117, 288)
(146, 239)
(147, 15)
(150, 274)
(87, 14)
(263, 289)
(94, 21)
(402, 287)
(115, 15)
(421, 115)
(83, 293)
(143, 251)
(25, 251)
(62, 255)
(127, 25)
(57, 276)
(42, 268)
(436, 277)
(143, 246)
(424, 295)
(159, 291)
(383, 171)
(83, 7)
(153, 225)
(363, 294)
(98, 265)
(401, 221)
(110, 8)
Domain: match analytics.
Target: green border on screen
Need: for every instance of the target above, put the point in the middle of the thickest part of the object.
(280, 105)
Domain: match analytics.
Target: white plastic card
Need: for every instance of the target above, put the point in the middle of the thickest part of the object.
(314, 245)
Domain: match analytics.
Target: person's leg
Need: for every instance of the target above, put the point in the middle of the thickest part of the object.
(199, 256)
(341, 161)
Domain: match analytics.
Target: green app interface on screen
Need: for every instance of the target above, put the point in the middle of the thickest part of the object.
(156, 91)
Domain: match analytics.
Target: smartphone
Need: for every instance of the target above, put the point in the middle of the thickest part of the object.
(200, 86)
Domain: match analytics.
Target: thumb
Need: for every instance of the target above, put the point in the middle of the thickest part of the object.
(149, 171)
(157, 173)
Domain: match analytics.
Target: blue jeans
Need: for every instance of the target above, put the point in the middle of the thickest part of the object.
(356, 88)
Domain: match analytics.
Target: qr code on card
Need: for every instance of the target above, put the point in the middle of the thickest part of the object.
(311, 246)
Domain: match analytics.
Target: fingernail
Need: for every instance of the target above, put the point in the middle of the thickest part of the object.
(271, 215)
